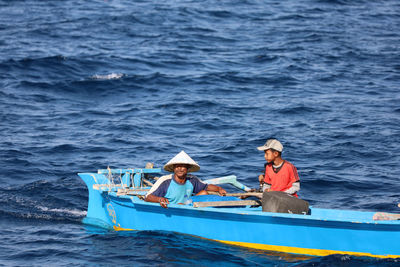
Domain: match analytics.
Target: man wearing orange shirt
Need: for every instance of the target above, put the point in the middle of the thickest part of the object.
(279, 174)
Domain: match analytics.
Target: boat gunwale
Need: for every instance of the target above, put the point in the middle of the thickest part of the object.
(247, 212)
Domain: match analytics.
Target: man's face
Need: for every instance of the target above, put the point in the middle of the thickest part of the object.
(181, 170)
(270, 155)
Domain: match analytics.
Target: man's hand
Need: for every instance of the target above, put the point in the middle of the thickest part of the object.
(261, 178)
(216, 188)
(163, 202)
(221, 191)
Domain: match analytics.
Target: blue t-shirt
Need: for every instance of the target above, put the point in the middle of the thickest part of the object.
(176, 193)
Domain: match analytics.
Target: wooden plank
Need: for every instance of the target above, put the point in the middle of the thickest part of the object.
(248, 194)
(122, 171)
(124, 192)
(138, 189)
(226, 203)
(147, 182)
(103, 186)
(132, 190)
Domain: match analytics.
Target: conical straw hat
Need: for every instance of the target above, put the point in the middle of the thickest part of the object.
(182, 158)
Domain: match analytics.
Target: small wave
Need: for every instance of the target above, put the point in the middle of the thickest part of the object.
(60, 148)
(202, 103)
(265, 58)
(296, 110)
(27, 208)
(112, 76)
(44, 200)
(341, 2)
(43, 213)
(72, 212)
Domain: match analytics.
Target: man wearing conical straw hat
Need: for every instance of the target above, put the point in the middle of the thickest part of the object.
(178, 187)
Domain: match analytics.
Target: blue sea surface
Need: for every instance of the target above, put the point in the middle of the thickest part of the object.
(90, 84)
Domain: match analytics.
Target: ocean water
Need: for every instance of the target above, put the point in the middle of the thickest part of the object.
(90, 84)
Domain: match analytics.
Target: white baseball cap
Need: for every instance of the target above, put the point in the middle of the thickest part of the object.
(271, 144)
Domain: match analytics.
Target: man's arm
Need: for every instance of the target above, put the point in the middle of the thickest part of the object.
(265, 187)
(295, 188)
(162, 200)
(216, 188)
(158, 190)
(294, 177)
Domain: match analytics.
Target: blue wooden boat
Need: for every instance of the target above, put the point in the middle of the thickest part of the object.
(115, 202)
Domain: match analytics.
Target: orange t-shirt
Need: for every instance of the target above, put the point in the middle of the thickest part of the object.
(282, 178)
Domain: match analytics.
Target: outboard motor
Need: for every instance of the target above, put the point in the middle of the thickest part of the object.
(282, 202)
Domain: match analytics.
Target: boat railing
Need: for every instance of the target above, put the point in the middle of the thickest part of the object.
(126, 178)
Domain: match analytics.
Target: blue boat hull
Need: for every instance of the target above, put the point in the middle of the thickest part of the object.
(324, 232)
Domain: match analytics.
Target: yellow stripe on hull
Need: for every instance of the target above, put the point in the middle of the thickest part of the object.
(304, 251)
(117, 228)
(294, 250)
